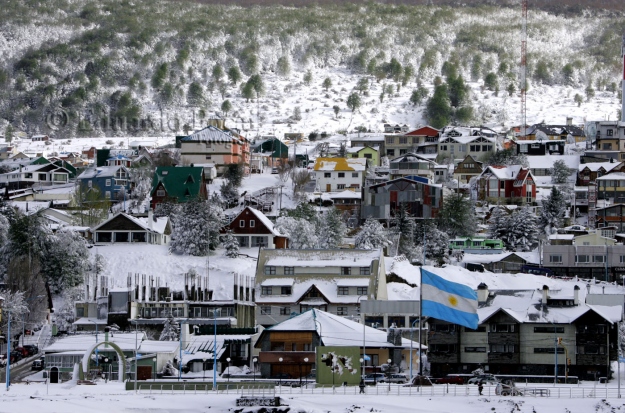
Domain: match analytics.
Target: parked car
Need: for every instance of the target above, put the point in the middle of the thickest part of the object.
(374, 378)
(38, 365)
(419, 381)
(448, 380)
(484, 378)
(23, 351)
(31, 349)
(274, 170)
(395, 378)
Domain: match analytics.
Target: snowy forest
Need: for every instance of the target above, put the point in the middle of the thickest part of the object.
(87, 68)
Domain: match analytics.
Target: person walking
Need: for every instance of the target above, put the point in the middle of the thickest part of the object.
(362, 386)
(480, 387)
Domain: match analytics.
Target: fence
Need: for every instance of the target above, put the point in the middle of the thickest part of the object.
(562, 392)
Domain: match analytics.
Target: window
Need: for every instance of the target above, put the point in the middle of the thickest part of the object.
(285, 310)
(341, 174)
(209, 157)
(252, 223)
(555, 259)
(502, 328)
(582, 258)
(523, 148)
(327, 175)
(362, 290)
(28, 175)
(403, 140)
(343, 291)
(591, 349)
(340, 186)
(108, 182)
(475, 349)
(485, 148)
(160, 192)
(502, 348)
(307, 346)
(266, 291)
(443, 147)
(443, 348)
(367, 270)
(390, 152)
(260, 242)
(390, 139)
(415, 140)
(341, 310)
(368, 156)
(285, 290)
(346, 270)
(277, 346)
(598, 258)
(609, 132)
(266, 310)
(90, 184)
(403, 151)
(502, 184)
(480, 329)
(549, 330)
(107, 194)
(443, 328)
(270, 270)
(242, 223)
(289, 270)
(622, 259)
(547, 350)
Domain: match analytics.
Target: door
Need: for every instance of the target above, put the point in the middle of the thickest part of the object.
(54, 375)
(328, 187)
(144, 372)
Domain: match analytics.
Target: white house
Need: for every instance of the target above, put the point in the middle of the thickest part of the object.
(338, 174)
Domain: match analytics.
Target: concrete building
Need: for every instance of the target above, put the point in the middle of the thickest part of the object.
(338, 174)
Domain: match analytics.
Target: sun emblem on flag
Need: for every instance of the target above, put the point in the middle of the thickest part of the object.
(452, 300)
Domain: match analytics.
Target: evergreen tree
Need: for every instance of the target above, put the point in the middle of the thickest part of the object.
(560, 172)
(303, 210)
(171, 329)
(553, 209)
(66, 260)
(457, 216)
(234, 174)
(332, 229)
(353, 102)
(372, 235)
(498, 223)
(231, 244)
(521, 230)
(302, 234)
(436, 241)
(404, 224)
(234, 75)
(196, 228)
(327, 83)
(438, 108)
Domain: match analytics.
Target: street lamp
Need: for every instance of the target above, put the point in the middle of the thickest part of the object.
(300, 379)
(154, 361)
(203, 369)
(364, 326)
(389, 361)
(280, 375)
(411, 335)
(254, 360)
(228, 360)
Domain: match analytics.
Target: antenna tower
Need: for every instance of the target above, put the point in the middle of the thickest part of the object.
(524, 69)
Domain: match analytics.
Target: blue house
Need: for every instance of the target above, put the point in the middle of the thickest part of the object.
(113, 182)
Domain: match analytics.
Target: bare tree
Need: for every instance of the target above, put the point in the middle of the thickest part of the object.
(300, 178)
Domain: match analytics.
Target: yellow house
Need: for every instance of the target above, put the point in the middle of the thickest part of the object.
(366, 152)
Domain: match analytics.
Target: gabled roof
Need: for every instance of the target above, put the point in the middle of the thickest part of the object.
(595, 166)
(182, 182)
(159, 225)
(502, 173)
(412, 157)
(334, 330)
(101, 172)
(214, 134)
(260, 217)
(612, 176)
(424, 131)
(553, 130)
(341, 164)
(346, 194)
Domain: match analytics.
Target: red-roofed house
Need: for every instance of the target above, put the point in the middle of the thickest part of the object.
(511, 184)
(253, 229)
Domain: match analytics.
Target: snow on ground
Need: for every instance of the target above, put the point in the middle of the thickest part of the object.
(111, 397)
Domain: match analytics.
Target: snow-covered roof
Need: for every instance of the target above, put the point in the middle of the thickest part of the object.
(213, 134)
(266, 221)
(503, 172)
(562, 236)
(155, 346)
(275, 282)
(158, 224)
(321, 258)
(346, 194)
(613, 176)
(86, 321)
(202, 346)
(547, 161)
(100, 171)
(326, 286)
(338, 331)
(353, 282)
(82, 342)
(29, 207)
(595, 166)
(530, 257)
(356, 149)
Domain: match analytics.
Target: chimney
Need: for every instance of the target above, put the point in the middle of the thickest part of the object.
(569, 121)
(482, 293)
(545, 294)
(576, 295)
(150, 219)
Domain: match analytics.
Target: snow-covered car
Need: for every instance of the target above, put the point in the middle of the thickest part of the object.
(373, 378)
(575, 228)
(484, 378)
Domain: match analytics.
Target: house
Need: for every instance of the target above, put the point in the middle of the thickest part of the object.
(543, 165)
(338, 174)
(126, 228)
(347, 202)
(294, 281)
(40, 138)
(568, 133)
(611, 187)
(516, 334)
(381, 201)
(512, 184)
(113, 182)
(502, 262)
(610, 138)
(178, 184)
(458, 142)
(217, 145)
(421, 140)
(540, 147)
(367, 152)
(253, 229)
(272, 150)
(412, 164)
(104, 155)
(295, 346)
(368, 139)
(467, 169)
(40, 174)
(611, 216)
(589, 172)
(119, 159)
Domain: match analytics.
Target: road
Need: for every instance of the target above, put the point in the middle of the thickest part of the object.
(21, 369)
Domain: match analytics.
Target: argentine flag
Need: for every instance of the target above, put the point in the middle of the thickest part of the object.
(448, 301)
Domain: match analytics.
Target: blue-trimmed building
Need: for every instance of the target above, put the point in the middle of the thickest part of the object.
(112, 181)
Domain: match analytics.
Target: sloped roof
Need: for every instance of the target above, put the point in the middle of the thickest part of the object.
(182, 182)
(612, 176)
(595, 166)
(213, 134)
(340, 164)
(509, 172)
(346, 194)
(158, 225)
(338, 331)
(101, 172)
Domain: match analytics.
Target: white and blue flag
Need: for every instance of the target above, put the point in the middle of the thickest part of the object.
(448, 301)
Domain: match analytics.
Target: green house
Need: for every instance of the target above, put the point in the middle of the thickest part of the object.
(178, 184)
(367, 152)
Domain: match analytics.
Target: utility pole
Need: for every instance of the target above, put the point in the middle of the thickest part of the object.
(524, 68)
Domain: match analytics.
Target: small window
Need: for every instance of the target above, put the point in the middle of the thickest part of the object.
(90, 184)
(285, 290)
(241, 223)
(475, 349)
(610, 132)
(365, 271)
(107, 194)
(270, 270)
(343, 291)
(598, 258)
(285, 310)
(340, 186)
(354, 174)
(160, 192)
(346, 270)
(327, 175)
(362, 290)
(341, 174)
(266, 291)
(265, 310)
(582, 258)
(289, 270)
(341, 310)
(252, 223)
(555, 258)
(108, 182)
